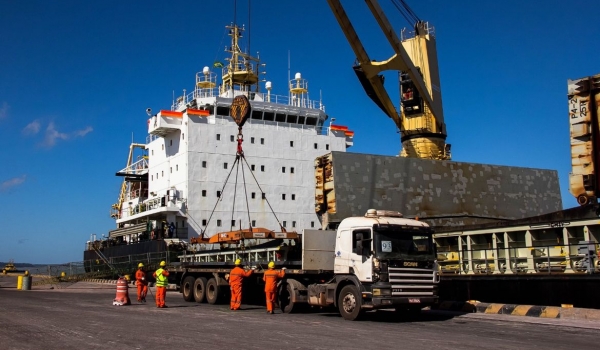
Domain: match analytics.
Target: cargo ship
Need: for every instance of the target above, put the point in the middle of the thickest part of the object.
(174, 185)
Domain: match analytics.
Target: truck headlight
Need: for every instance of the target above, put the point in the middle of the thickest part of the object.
(379, 291)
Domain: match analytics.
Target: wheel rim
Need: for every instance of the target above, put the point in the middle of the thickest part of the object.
(349, 303)
(210, 291)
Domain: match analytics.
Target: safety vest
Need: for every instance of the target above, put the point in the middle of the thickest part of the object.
(161, 280)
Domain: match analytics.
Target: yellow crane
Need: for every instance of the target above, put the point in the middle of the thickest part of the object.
(421, 119)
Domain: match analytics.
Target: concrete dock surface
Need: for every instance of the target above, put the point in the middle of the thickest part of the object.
(81, 316)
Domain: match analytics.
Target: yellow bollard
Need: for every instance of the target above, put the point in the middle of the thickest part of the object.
(19, 282)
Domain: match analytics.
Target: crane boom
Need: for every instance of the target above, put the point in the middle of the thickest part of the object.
(421, 121)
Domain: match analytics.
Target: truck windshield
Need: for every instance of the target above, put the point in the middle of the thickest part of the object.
(403, 245)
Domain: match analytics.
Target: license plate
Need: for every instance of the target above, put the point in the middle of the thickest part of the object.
(414, 300)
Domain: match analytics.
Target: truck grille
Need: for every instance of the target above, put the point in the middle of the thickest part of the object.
(412, 282)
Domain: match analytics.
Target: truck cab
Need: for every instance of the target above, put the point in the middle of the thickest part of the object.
(382, 260)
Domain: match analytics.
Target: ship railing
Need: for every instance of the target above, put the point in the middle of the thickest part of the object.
(140, 167)
(519, 259)
(182, 101)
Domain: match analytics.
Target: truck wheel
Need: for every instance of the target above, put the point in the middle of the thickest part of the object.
(212, 291)
(200, 289)
(285, 299)
(349, 303)
(187, 288)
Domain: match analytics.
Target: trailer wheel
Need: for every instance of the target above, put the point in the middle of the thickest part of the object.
(349, 303)
(212, 291)
(200, 289)
(187, 288)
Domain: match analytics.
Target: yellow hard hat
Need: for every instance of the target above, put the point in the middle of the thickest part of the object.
(238, 262)
(163, 263)
(140, 265)
(271, 264)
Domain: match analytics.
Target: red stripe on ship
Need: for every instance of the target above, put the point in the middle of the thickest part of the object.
(202, 112)
(339, 127)
(175, 114)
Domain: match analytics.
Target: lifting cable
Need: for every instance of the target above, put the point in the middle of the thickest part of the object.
(239, 156)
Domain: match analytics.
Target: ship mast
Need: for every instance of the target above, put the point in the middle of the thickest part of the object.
(241, 73)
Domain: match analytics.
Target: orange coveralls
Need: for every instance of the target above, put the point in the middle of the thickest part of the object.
(142, 284)
(270, 277)
(161, 286)
(236, 276)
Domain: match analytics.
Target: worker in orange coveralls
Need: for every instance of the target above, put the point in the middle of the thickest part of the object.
(236, 276)
(161, 284)
(270, 277)
(141, 283)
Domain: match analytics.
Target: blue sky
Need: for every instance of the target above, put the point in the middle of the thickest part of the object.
(77, 76)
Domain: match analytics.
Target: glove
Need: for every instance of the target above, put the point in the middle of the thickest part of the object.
(284, 268)
(143, 278)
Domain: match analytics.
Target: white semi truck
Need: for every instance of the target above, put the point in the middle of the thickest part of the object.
(378, 261)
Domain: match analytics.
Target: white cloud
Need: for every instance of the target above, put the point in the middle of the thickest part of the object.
(32, 128)
(52, 135)
(83, 132)
(4, 110)
(8, 184)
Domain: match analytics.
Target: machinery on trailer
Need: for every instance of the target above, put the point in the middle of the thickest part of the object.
(381, 260)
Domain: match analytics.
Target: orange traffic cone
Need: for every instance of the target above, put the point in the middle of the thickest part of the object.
(122, 297)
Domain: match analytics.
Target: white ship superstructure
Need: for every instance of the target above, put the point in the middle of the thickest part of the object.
(192, 147)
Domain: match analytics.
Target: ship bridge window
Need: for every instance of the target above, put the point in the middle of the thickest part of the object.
(203, 222)
(262, 168)
(311, 121)
(283, 196)
(262, 141)
(292, 170)
(218, 223)
(257, 115)
(252, 167)
(218, 194)
(204, 164)
(293, 197)
(293, 223)
(252, 140)
(232, 223)
(225, 165)
(253, 223)
(292, 119)
(269, 116)
(312, 224)
(231, 138)
(280, 117)
(301, 119)
(264, 196)
(283, 169)
(203, 193)
(284, 223)
(223, 111)
(253, 195)
(316, 146)
(218, 137)
(327, 147)
(291, 143)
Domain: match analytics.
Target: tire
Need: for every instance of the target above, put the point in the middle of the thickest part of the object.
(350, 303)
(212, 291)
(199, 290)
(187, 288)
(285, 299)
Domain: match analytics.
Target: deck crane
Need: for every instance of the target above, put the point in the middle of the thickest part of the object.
(421, 120)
